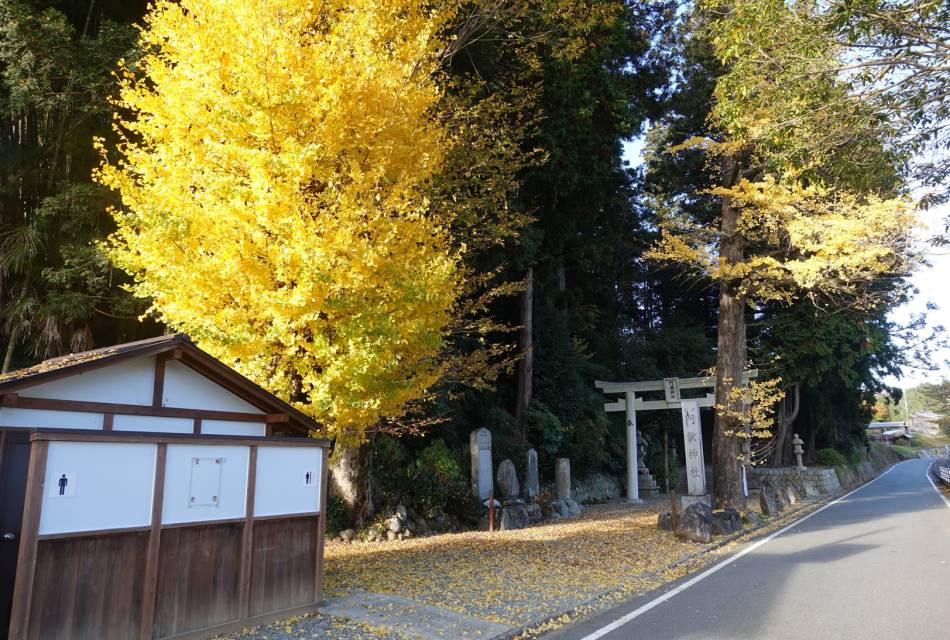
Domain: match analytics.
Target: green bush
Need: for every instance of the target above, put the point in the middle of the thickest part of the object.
(390, 459)
(437, 484)
(338, 516)
(830, 458)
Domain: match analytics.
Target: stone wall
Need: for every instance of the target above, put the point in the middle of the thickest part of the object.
(595, 488)
(825, 481)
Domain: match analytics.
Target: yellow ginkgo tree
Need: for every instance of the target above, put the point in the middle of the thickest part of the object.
(273, 160)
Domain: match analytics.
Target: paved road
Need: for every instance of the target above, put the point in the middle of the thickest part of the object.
(874, 565)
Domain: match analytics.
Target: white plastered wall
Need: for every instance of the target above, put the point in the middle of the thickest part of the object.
(107, 485)
(287, 480)
(183, 482)
(125, 382)
(185, 387)
(14, 417)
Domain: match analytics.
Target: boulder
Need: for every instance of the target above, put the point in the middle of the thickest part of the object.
(781, 499)
(573, 508)
(767, 503)
(702, 508)
(664, 521)
(792, 494)
(726, 521)
(394, 524)
(507, 480)
(534, 512)
(402, 513)
(514, 517)
(347, 535)
(810, 490)
(391, 535)
(691, 525)
(753, 519)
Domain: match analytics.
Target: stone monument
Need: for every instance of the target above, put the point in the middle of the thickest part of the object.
(532, 486)
(480, 447)
(562, 473)
(507, 481)
(695, 461)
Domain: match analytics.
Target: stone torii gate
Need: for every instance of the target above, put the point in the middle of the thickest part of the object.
(689, 407)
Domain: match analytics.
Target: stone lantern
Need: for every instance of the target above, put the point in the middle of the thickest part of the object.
(797, 448)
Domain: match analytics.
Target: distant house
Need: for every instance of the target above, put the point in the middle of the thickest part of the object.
(924, 422)
(880, 428)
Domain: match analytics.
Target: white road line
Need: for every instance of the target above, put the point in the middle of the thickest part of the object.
(619, 622)
(939, 492)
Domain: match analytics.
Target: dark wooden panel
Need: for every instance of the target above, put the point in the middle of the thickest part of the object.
(198, 578)
(283, 564)
(88, 588)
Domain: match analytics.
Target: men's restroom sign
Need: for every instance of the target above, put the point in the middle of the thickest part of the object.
(309, 478)
(61, 484)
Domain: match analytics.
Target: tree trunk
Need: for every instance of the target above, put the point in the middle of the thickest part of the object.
(526, 345)
(783, 439)
(351, 480)
(730, 360)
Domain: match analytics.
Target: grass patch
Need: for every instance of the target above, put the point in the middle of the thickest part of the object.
(925, 441)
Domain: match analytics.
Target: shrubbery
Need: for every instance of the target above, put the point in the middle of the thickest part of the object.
(830, 458)
(338, 516)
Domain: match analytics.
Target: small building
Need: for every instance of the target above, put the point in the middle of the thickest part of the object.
(148, 491)
(878, 428)
(924, 422)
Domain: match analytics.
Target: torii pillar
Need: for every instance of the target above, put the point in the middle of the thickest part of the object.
(633, 483)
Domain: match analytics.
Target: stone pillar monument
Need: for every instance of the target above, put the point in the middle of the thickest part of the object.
(480, 448)
(695, 462)
(531, 484)
(562, 473)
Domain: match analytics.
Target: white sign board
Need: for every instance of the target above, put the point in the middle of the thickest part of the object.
(97, 485)
(671, 387)
(63, 486)
(287, 480)
(693, 440)
(213, 488)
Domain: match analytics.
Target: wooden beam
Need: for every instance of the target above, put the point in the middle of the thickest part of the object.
(158, 389)
(322, 527)
(29, 532)
(278, 417)
(83, 406)
(173, 438)
(150, 585)
(3, 449)
(9, 399)
(196, 428)
(247, 538)
(107, 420)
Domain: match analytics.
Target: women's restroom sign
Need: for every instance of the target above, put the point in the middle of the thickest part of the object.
(61, 484)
